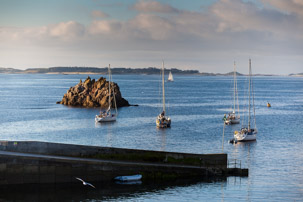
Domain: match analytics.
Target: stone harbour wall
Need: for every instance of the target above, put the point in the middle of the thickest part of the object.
(110, 153)
(23, 162)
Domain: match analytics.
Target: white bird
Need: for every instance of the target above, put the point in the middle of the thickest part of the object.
(85, 183)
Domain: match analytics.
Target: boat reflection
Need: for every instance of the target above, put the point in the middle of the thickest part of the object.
(245, 152)
(108, 127)
(129, 182)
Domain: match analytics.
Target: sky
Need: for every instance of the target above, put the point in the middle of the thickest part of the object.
(204, 35)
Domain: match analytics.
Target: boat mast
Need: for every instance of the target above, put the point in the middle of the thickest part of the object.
(237, 96)
(109, 102)
(253, 99)
(114, 95)
(249, 88)
(163, 91)
(234, 110)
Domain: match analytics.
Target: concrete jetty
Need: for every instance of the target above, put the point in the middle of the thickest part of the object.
(23, 162)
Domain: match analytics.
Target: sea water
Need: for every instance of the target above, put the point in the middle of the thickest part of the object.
(196, 106)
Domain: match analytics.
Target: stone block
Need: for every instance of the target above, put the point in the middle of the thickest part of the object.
(63, 170)
(63, 178)
(14, 179)
(14, 169)
(31, 178)
(2, 167)
(47, 170)
(31, 169)
(47, 178)
(79, 171)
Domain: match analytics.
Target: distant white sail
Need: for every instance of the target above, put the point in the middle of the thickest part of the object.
(170, 77)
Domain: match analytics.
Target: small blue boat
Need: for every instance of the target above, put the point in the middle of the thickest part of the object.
(128, 178)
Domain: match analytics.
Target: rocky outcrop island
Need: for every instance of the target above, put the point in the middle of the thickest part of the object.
(91, 93)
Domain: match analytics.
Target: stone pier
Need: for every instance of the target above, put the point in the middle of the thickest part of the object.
(23, 162)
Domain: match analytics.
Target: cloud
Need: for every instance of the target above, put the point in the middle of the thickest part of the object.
(220, 23)
(104, 27)
(69, 31)
(290, 6)
(153, 27)
(142, 26)
(66, 30)
(226, 29)
(238, 16)
(224, 23)
(154, 7)
(99, 14)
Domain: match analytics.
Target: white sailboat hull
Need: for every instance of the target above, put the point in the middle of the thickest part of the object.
(163, 123)
(235, 121)
(232, 121)
(245, 136)
(109, 118)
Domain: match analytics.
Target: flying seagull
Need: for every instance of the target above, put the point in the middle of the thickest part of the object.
(85, 183)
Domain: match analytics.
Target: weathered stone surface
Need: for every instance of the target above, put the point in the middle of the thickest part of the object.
(44, 162)
(91, 93)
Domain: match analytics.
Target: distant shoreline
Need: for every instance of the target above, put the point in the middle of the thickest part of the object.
(70, 73)
(121, 71)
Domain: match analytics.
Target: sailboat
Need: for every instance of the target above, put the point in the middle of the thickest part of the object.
(170, 77)
(108, 116)
(163, 121)
(248, 133)
(232, 117)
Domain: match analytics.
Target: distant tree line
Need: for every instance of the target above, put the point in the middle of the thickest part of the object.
(118, 70)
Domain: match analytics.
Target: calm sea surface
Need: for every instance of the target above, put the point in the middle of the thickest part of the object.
(196, 105)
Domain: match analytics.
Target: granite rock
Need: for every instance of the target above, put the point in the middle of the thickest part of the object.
(91, 93)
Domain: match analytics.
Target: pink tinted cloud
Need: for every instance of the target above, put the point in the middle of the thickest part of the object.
(68, 29)
(99, 14)
(154, 7)
(289, 6)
